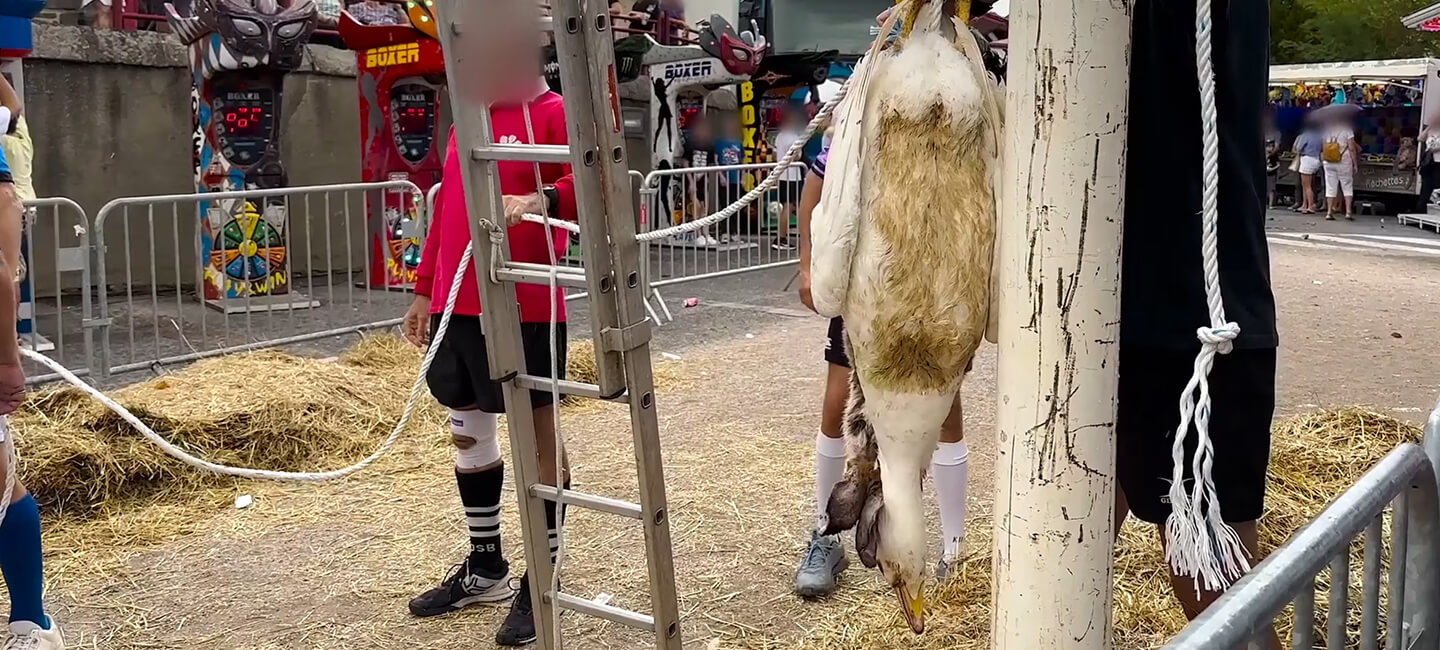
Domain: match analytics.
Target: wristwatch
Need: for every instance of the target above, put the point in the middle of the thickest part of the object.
(552, 201)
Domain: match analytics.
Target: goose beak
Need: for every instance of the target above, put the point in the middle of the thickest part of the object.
(914, 607)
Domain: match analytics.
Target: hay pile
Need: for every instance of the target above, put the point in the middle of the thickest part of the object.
(266, 409)
(1314, 458)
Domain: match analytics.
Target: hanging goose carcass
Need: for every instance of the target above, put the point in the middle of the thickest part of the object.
(902, 248)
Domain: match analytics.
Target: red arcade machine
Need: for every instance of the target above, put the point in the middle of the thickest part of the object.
(401, 75)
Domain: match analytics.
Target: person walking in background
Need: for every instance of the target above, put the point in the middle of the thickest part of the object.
(792, 178)
(698, 153)
(1272, 169)
(1307, 148)
(729, 152)
(377, 12)
(1340, 154)
(1429, 161)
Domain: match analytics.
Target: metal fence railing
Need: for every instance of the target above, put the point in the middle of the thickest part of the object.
(54, 314)
(761, 236)
(1408, 617)
(190, 276)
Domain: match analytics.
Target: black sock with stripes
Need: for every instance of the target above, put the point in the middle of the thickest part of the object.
(551, 529)
(480, 492)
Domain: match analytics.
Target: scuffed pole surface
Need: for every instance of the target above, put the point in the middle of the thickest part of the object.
(1059, 283)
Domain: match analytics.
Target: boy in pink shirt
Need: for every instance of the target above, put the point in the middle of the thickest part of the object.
(459, 378)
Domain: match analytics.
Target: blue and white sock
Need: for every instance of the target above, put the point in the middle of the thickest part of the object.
(21, 562)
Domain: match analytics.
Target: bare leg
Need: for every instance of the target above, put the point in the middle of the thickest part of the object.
(953, 430)
(837, 394)
(20, 491)
(545, 444)
(1350, 206)
(1193, 602)
(1307, 192)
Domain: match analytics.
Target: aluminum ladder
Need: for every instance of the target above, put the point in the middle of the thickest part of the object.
(612, 277)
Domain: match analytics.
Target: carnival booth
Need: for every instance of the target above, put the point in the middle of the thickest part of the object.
(1395, 105)
(400, 74)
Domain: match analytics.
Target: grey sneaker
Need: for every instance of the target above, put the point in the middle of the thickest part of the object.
(942, 570)
(823, 563)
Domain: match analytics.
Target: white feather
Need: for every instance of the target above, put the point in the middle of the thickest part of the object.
(834, 223)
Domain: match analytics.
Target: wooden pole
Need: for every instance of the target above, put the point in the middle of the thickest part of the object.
(1059, 323)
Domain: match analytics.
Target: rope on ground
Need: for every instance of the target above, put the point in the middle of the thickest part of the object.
(1199, 542)
(261, 474)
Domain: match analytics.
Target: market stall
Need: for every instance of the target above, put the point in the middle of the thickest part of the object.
(1395, 108)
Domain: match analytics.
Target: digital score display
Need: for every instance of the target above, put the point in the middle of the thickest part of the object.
(413, 116)
(244, 119)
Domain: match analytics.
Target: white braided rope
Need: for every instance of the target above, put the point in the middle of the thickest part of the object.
(269, 475)
(1199, 543)
(12, 468)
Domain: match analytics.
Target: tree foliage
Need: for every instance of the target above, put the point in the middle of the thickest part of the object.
(1310, 31)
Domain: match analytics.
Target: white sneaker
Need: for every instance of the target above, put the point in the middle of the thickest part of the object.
(29, 636)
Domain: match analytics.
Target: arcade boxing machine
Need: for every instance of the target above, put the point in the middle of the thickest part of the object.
(720, 57)
(240, 51)
(15, 44)
(400, 71)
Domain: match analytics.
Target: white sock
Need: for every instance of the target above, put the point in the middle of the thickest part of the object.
(829, 467)
(949, 469)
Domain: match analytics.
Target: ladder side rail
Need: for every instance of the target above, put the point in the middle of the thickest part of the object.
(593, 193)
(634, 333)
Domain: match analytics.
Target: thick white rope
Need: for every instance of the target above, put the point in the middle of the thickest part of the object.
(12, 468)
(261, 474)
(1199, 542)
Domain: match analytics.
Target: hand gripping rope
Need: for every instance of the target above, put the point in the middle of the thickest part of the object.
(1199, 542)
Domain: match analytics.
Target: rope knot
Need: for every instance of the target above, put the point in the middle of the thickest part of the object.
(1222, 337)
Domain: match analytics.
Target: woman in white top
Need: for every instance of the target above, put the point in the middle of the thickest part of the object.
(1341, 156)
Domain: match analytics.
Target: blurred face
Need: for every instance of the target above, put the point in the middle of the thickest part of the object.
(700, 131)
(500, 44)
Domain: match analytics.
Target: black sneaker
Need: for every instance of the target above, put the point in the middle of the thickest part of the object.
(518, 629)
(463, 586)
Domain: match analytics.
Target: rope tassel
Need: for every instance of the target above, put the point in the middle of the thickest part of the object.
(1199, 543)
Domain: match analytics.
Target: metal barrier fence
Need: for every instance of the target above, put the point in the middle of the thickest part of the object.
(1405, 482)
(54, 315)
(761, 236)
(243, 270)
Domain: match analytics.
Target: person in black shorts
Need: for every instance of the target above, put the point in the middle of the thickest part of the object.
(1163, 296)
(824, 559)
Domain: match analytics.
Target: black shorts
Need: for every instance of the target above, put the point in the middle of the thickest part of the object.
(835, 344)
(459, 378)
(1242, 393)
(790, 192)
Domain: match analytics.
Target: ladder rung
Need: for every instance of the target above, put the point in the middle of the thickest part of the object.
(591, 501)
(567, 387)
(592, 608)
(539, 274)
(541, 153)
